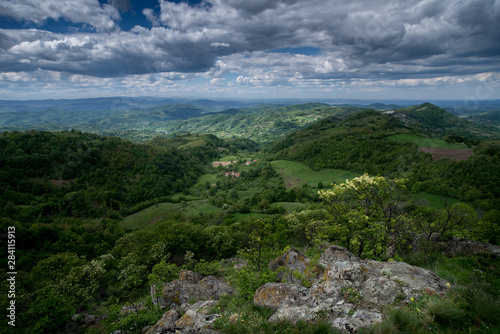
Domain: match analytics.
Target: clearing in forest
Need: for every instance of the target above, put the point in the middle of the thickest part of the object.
(296, 174)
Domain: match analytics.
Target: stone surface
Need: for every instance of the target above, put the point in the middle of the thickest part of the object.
(190, 276)
(360, 319)
(461, 245)
(192, 287)
(194, 320)
(336, 253)
(353, 292)
(277, 295)
(380, 290)
(167, 321)
(292, 260)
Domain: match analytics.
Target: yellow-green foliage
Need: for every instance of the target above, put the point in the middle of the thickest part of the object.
(368, 214)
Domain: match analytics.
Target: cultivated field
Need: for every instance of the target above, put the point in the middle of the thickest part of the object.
(454, 154)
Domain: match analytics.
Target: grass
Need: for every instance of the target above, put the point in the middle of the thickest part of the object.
(248, 193)
(197, 207)
(425, 142)
(300, 173)
(229, 158)
(155, 213)
(210, 178)
(147, 217)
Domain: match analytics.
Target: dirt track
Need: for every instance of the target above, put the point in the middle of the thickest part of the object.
(454, 154)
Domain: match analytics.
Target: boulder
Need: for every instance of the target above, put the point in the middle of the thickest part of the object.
(277, 295)
(190, 276)
(192, 287)
(360, 319)
(195, 318)
(167, 321)
(461, 245)
(288, 263)
(336, 253)
(353, 292)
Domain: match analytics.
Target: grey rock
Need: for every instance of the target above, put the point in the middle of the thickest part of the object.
(347, 273)
(373, 285)
(277, 295)
(380, 290)
(190, 276)
(196, 320)
(294, 313)
(360, 319)
(461, 245)
(336, 253)
(189, 330)
(291, 261)
(167, 321)
(146, 329)
(190, 287)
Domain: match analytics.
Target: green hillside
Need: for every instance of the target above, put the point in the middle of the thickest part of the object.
(376, 143)
(99, 220)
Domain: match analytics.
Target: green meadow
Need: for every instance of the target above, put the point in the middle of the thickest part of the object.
(304, 174)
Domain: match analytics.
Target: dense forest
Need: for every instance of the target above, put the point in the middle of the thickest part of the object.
(100, 219)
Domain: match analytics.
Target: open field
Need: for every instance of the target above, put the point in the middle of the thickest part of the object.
(454, 154)
(149, 216)
(210, 178)
(425, 142)
(296, 174)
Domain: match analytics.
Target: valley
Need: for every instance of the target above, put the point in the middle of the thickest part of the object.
(108, 204)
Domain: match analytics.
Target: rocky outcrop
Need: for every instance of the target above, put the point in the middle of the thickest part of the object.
(291, 263)
(179, 294)
(195, 319)
(277, 295)
(167, 321)
(461, 245)
(192, 286)
(352, 292)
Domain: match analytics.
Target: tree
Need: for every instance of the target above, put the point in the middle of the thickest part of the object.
(434, 224)
(369, 214)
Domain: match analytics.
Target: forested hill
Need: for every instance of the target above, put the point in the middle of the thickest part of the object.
(366, 142)
(434, 120)
(86, 175)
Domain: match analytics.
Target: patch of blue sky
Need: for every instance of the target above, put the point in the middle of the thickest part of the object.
(231, 76)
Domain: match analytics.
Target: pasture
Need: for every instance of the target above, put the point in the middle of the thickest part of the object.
(296, 174)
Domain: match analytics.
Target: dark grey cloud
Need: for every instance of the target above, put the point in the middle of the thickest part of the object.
(368, 39)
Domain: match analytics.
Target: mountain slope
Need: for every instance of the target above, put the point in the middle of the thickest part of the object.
(362, 143)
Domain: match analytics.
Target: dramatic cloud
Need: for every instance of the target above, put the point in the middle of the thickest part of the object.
(356, 43)
(91, 12)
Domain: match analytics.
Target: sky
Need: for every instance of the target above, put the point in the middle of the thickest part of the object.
(355, 49)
